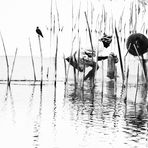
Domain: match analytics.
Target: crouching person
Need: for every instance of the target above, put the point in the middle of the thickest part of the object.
(87, 58)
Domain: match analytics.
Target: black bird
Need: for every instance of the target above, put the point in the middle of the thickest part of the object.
(38, 31)
(139, 41)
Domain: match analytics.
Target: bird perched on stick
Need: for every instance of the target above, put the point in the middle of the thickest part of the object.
(38, 31)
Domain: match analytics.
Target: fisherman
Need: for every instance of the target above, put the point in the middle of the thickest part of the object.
(87, 58)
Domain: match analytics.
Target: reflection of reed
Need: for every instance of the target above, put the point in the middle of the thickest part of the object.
(12, 105)
(55, 107)
(111, 89)
(8, 91)
(31, 97)
(37, 124)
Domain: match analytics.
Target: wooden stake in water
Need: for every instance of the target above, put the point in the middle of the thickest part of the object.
(56, 53)
(13, 64)
(32, 60)
(120, 57)
(50, 23)
(142, 64)
(41, 55)
(126, 85)
(89, 34)
(137, 83)
(7, 63)
(102, 79)
(64, 65)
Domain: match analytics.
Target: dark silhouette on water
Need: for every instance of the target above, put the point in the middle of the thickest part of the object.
(38, 31)
(140, 41)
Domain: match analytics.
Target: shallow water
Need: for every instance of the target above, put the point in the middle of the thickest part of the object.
(65, 116)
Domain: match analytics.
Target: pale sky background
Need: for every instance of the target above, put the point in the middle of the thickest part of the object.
(19, 18)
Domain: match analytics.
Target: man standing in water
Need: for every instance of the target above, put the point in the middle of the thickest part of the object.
(87, 58)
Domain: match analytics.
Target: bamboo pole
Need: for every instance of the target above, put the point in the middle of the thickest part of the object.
(89, 34)
(64, 66)
(137, 84)
(13, 64)
(56, 53)
(143, 68)
(126, 85)
(120, 57)
(32, 60)
(102, 92)
(57, 15)
(50, 22)
(78, 60)
(7, 63)
(41, 55)
(69, 62)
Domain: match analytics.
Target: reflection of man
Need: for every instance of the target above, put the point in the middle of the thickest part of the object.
(87, 58)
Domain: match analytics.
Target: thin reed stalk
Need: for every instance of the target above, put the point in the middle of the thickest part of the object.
(69, 62)
(6, 57)
(126, 84)
(41, 55)
(143, 68)
(137, 84)
(51, 23)
(89, 34)
(96, 67)
(102, 92)
(75, 78)
(90, 37)
(78, 61)
(82, 85)
(58, 18)
(13, 64)
(120, 57)
(64, 65)
(54, 25)
(56, 53)
(125, 58)
(33, 66)
(79, 40)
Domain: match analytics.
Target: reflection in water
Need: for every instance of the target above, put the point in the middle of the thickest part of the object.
(31, 98)
(37, 124)
(12, 105)
(111, 89)
(9, 97)
(79, 118)
(137, 118)
(107, 118)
